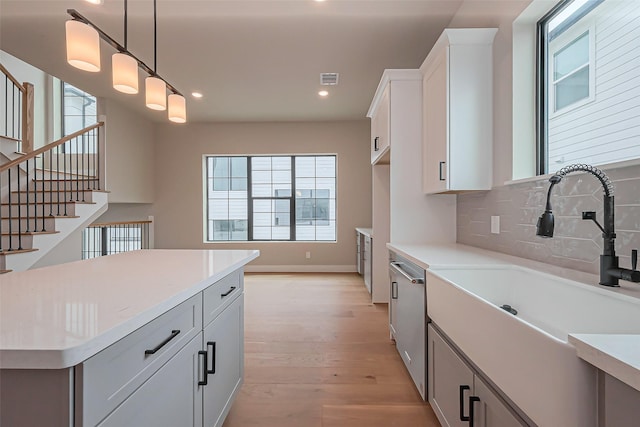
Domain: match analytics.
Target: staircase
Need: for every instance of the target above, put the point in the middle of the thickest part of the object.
(48, 194)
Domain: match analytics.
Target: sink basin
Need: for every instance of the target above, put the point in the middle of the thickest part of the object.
(527, 355)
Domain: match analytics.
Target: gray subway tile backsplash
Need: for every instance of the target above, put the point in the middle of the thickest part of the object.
(577, 244)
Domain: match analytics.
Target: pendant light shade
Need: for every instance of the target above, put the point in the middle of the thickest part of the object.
(83, 46)
(125, 73)
(156, 93)
(177, 108)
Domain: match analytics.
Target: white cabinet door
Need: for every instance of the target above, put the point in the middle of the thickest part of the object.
(367, 257)
(488, 410)
(450, 382)
(435, 128)
(224, 344)
(171, 397)
(380, 128)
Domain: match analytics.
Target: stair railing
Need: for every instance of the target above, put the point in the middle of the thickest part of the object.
(40, 185)
(17, 123)
(107, 238)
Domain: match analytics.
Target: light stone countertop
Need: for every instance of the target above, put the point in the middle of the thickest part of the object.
(365, 231)
(56, 317)
(616, 354)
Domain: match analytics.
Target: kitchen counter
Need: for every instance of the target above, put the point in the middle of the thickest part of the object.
(57, 317)
(365, 231)
(618, 355)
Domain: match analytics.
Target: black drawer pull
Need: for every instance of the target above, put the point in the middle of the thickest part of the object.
(461, 403)
(440, 171)
(472, 400)
(204, 368)
(174, 334)
(212, 344)
(376, 147)
(233, 288)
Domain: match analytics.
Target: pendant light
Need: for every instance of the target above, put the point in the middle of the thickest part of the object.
(83, 51)
(177, 108)
(83, 46)
(124, 68)
(156, 89)
(155, 93)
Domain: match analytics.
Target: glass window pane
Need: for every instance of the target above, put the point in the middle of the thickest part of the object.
(221, 184)
(572, 57)
(305, 167)
(221, 167)
(260, 163)
(261, 233)
(262, 206)
(281, 233)
(282, 205)
(262, 219)
(261, 190)
(238, 167)
(282, 177)
(572, 89)
(239, 184)
(282, 190)
(261, 177)
(326, 166)
(281, 163)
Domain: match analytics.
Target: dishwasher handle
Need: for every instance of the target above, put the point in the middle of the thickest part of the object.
(396, 266)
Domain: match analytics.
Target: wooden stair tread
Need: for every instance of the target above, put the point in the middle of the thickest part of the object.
(17, 251)
(65, 180)
(52, 171)
(59, 191)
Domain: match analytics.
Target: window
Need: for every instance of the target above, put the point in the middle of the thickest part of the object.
(270, 198)
(78, 112)
(588, 83)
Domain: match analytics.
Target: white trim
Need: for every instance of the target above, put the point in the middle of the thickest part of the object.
(300, 268)
(387, 76)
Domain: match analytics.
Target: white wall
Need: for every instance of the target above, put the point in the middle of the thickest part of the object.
(41, 82)
(130, 154)
(178, 207)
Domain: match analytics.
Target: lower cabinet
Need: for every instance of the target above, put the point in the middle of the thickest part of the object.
(223, 340)
(149, 407)
(458, 395)
(367, 259)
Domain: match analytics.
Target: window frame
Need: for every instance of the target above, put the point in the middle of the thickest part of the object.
(544, 99)
(251, 198)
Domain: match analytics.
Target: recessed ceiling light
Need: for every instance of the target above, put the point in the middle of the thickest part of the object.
(319, 1)
(197, 94)
(323, 93)
(95, 1)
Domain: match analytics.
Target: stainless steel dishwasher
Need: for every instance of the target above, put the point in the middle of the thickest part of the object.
(407, 316)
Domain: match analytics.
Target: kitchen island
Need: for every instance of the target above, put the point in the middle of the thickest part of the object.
(153, 337)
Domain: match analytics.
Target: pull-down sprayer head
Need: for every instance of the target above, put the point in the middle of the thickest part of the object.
(545, 225)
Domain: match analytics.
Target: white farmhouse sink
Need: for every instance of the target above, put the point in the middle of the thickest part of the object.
(527, 355)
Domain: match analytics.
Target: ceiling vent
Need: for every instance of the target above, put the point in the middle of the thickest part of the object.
(328, 79)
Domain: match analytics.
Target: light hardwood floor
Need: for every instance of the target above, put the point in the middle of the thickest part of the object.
(318, 354)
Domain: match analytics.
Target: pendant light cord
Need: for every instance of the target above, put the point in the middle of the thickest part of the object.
(155, 39)
(125, 24)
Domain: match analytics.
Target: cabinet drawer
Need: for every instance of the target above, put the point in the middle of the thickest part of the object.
(220, 294)
(111, 376)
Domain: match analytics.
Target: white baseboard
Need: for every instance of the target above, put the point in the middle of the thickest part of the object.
(300, 268)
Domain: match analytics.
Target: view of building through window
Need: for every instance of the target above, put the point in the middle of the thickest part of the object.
(589, 84)
(78, 111)
(271, 198)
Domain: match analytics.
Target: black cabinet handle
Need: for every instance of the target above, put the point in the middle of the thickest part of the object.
(212, 344)
(174, 334)
(462, 389)
(204, 367)
(472, 400)
(233, 288)
(440, 170)
(375, 143)
(394, 290)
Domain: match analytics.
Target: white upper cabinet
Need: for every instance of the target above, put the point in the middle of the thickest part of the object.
(457, 91)
(380, 119)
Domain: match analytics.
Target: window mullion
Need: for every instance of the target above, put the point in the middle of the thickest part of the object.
(249, 201)
(292, 202)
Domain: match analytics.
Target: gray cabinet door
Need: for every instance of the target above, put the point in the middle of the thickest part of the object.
(171, 397)
(367, 257)
(447, 373)
(410, 324)
(489, 411)
(223, 341)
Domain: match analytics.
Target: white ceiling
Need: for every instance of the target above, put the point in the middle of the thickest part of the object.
(254, 60)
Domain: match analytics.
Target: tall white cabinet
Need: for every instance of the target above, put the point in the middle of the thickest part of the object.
(458, 106)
